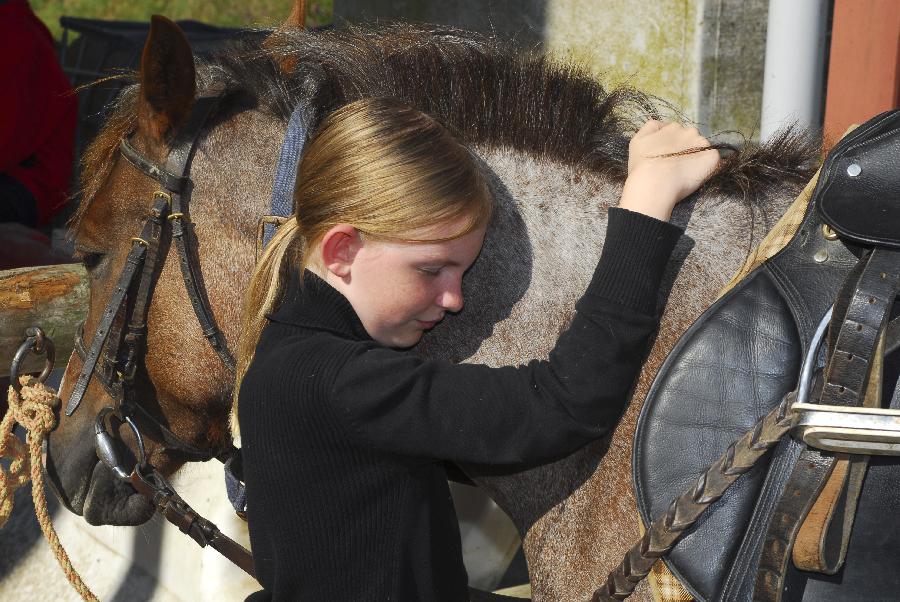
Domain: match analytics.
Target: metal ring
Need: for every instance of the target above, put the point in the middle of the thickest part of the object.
(175, 215)
(37, 342)
(112, 459)
(140, 240)
(809, 362)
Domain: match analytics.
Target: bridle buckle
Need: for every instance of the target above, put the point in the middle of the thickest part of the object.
(164, 195)
(127, 373)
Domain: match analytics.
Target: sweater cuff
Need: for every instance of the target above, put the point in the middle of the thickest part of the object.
(634, 259)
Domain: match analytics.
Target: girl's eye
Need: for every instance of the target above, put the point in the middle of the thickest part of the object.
(430, 271)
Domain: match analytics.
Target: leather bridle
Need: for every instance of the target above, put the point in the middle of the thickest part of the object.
(119, 341)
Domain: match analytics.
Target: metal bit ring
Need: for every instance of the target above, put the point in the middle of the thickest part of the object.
(105, 444)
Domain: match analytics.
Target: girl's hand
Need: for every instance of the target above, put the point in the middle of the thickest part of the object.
(656, 183)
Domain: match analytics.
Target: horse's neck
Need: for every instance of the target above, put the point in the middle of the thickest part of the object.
(544, 244)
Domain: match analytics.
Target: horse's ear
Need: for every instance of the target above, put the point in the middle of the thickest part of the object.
(297, 17)
(168, 80)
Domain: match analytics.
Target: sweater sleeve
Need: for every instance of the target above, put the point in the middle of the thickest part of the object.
(397, 402)
(25, 100)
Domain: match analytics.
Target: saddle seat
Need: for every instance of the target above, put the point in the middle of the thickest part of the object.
(737, 362)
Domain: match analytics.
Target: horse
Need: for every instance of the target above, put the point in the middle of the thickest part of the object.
(553, 143)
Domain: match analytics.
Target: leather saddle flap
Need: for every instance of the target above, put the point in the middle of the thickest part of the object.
(733, 365)
(858, 193)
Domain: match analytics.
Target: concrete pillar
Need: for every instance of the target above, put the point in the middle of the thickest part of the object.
(793, 86)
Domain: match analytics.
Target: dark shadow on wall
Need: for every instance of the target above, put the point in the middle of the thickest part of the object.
(522, 21)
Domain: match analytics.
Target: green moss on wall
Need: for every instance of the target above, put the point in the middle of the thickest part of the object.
(648, 45)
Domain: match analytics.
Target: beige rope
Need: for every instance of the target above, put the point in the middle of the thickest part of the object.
(33, 409)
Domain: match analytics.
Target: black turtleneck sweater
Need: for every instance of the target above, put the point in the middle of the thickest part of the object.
(343, 439)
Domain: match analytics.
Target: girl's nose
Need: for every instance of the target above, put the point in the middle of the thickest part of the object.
(451, 299)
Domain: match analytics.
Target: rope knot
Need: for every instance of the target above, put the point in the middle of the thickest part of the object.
(34, 407)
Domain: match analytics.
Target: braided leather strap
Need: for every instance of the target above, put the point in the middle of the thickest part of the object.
(664, 532)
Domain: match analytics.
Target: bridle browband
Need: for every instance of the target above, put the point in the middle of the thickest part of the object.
(119, 340)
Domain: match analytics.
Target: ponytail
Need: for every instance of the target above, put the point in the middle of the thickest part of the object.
(381, 166)
(263, 293)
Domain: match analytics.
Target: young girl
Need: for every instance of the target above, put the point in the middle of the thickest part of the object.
(343, 432)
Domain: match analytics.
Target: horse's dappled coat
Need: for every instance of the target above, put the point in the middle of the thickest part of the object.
(554, 143)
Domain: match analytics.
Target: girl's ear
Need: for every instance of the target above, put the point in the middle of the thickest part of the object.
(339, 248)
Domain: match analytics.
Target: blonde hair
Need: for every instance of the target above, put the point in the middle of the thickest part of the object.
(382, 167)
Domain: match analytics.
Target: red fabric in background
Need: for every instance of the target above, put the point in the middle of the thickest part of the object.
(38, 110)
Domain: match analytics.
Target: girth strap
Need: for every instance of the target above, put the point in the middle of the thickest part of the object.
(847, 376)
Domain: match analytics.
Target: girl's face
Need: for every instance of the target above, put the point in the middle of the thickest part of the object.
(400, 290)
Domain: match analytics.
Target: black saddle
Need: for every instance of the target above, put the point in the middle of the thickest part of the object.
(740, 359)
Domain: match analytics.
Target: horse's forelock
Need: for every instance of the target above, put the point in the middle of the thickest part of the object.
(98, 157)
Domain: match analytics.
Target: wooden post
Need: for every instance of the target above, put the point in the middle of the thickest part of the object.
(54, 297)
(864, 64)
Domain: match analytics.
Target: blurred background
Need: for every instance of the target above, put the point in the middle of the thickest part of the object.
(247, 13)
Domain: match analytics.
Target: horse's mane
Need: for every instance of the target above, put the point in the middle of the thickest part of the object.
(484, 91)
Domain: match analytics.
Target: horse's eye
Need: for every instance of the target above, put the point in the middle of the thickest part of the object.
(88, 259)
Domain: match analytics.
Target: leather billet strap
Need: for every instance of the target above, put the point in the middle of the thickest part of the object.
(822, 541)
(847, 376)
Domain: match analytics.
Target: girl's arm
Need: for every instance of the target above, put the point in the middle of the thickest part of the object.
(395, 401)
